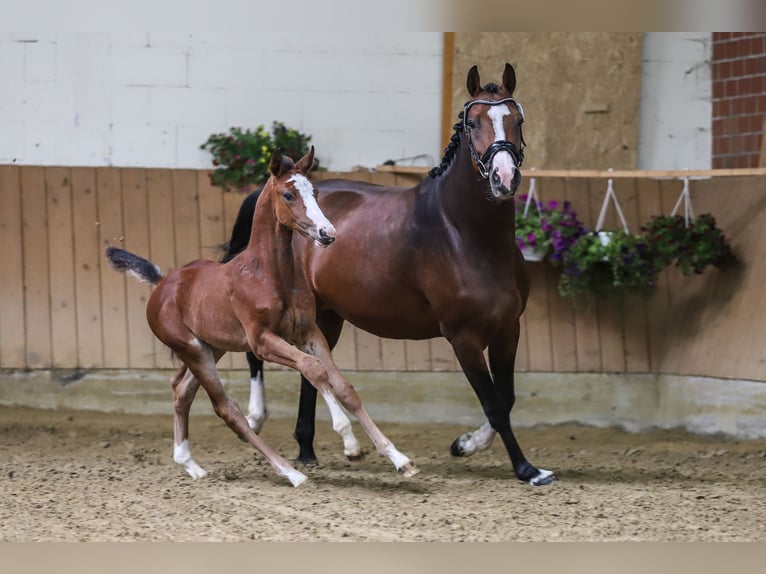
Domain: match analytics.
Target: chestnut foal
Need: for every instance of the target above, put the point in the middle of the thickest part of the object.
(260, 302)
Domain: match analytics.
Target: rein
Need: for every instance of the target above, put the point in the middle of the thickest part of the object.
(503, 145)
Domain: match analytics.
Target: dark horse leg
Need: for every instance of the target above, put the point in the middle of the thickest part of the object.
(496, 399)
(257, 412)
(331, 326)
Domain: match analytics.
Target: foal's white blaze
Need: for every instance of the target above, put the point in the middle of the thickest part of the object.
(306, 190)
(342, 425)
(182, 455)
(503, 161)
(257, 411)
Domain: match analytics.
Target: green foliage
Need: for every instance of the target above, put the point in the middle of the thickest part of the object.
(690, 248)
(241, 157)
(608, 265)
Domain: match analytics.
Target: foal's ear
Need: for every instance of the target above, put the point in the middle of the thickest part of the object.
(473, 83)
(509, 79)
(275, 165)
(306, 162)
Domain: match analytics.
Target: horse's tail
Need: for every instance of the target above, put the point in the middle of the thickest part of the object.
(240, 233)
(125, 262)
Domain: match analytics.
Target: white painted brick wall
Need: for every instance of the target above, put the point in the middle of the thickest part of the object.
(151, 99)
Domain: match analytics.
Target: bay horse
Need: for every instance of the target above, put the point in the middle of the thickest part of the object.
(436, 259)
(259, 302)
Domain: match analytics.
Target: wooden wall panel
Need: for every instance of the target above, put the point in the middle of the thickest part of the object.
(12, 327)
(587, 347)
(62, 266)
(37, 306)
(113, 291)
(87, 261)
(62, 306)
(186, 216)
(135, 209)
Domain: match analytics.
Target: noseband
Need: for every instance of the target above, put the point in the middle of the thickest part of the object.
(483, 161)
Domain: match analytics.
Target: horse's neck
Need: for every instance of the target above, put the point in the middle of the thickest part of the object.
(465, 201)
(271, 245)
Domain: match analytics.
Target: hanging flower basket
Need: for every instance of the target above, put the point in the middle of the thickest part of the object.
(692, 244)
(532, 253)
(608, 263)
(546, 231)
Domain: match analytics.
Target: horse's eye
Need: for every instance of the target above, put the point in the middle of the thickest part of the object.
(470, 123)
(288, 196)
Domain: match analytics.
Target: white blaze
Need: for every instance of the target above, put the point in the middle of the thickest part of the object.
(306, 189)
(503, 161)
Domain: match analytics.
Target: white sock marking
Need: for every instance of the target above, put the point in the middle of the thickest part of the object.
(480, 439)
(342, 425)
(182, 455)
(257, 411)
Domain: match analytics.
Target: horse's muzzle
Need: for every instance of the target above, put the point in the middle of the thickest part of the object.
(325, 239)
(502, 190)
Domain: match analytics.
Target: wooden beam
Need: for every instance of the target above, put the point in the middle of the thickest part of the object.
(616, 174)
(448, 61)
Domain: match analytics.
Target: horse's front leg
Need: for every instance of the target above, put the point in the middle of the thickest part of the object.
(496, 401)
(502, 362)
(341, 388)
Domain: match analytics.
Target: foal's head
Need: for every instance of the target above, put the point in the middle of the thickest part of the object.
(492, 125)
(295, 198)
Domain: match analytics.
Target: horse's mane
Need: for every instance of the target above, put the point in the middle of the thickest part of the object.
(454, 142)
(450, 150)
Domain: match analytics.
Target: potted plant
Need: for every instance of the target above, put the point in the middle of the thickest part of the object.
(549, 230)
(241, 157)
(607, 268)
(691, 244)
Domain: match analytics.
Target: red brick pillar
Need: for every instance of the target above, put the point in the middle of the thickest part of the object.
(739, 98)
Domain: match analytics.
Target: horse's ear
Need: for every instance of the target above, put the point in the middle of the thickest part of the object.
(509, 79)
(275, 165)
(473, 83)
(306, 162)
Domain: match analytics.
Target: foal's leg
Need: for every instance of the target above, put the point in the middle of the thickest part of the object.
(331, 325)
(496, 403)
(257, 412)
(347, 395)
(184, 386)
(201, 361)
(321, 371)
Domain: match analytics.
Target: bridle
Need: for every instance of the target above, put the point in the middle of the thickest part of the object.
(503, 145)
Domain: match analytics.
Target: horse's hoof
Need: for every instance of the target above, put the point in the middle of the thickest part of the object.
(409, 470)
(297, 479)
(456, 448)
(543, 478)
(359, 456)
(307, 460)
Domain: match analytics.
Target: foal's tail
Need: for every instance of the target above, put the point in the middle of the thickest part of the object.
(125, 262)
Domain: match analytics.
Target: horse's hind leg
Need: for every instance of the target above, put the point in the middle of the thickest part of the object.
(202, 363)
(257, 411)
(184, 386)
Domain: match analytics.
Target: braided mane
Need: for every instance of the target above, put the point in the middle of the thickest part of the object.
(450, 150)
(454, 142)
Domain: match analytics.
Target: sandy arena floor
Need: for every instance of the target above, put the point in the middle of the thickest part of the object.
(84, 476)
